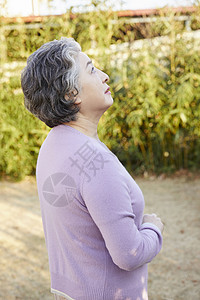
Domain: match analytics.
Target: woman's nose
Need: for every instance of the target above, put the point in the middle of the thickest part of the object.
(103, 76)
(106, 78)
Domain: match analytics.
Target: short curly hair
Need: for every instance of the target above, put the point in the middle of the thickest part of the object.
(51, 73)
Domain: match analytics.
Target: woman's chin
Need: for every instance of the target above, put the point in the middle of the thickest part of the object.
(109, 102)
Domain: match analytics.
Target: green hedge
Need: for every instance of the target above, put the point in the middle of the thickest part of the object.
(21, 134)
(154, 122)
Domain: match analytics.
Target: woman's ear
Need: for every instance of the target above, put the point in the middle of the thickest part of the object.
(71, 95)
(78, 100)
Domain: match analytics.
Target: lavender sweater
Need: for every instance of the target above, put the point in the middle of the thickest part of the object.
(92, 212)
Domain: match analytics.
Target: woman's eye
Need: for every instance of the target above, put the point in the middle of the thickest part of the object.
(93, 70)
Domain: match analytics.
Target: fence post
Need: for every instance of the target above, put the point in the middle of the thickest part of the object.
(188, 24)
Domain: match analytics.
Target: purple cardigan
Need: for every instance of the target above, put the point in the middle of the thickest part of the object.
(92, 212)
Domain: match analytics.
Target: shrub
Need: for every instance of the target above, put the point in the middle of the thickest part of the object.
(154, 122)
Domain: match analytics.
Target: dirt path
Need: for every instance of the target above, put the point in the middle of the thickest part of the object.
(173, 275)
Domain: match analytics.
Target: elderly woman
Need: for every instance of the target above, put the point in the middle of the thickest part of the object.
(98, 240)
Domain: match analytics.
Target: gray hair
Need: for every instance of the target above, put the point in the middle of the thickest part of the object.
(50, 74)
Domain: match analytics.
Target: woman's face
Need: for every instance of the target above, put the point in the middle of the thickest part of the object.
(94, 100)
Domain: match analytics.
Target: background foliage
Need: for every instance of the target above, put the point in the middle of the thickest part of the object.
(153, 124)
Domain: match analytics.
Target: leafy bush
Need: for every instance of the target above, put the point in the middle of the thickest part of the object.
(154, 122)
(21, 133)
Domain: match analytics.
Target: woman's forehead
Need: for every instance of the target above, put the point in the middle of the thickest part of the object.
(83, 57)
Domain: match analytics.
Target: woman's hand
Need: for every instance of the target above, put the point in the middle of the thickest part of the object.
(154, 220)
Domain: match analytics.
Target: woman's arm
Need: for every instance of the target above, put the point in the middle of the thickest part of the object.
(108, 201)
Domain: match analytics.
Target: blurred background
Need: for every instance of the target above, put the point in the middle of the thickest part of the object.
(150, 49)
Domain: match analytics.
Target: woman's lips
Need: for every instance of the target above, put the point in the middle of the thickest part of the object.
(107, 91)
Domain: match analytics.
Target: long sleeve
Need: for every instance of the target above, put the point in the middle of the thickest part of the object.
(108, 200)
